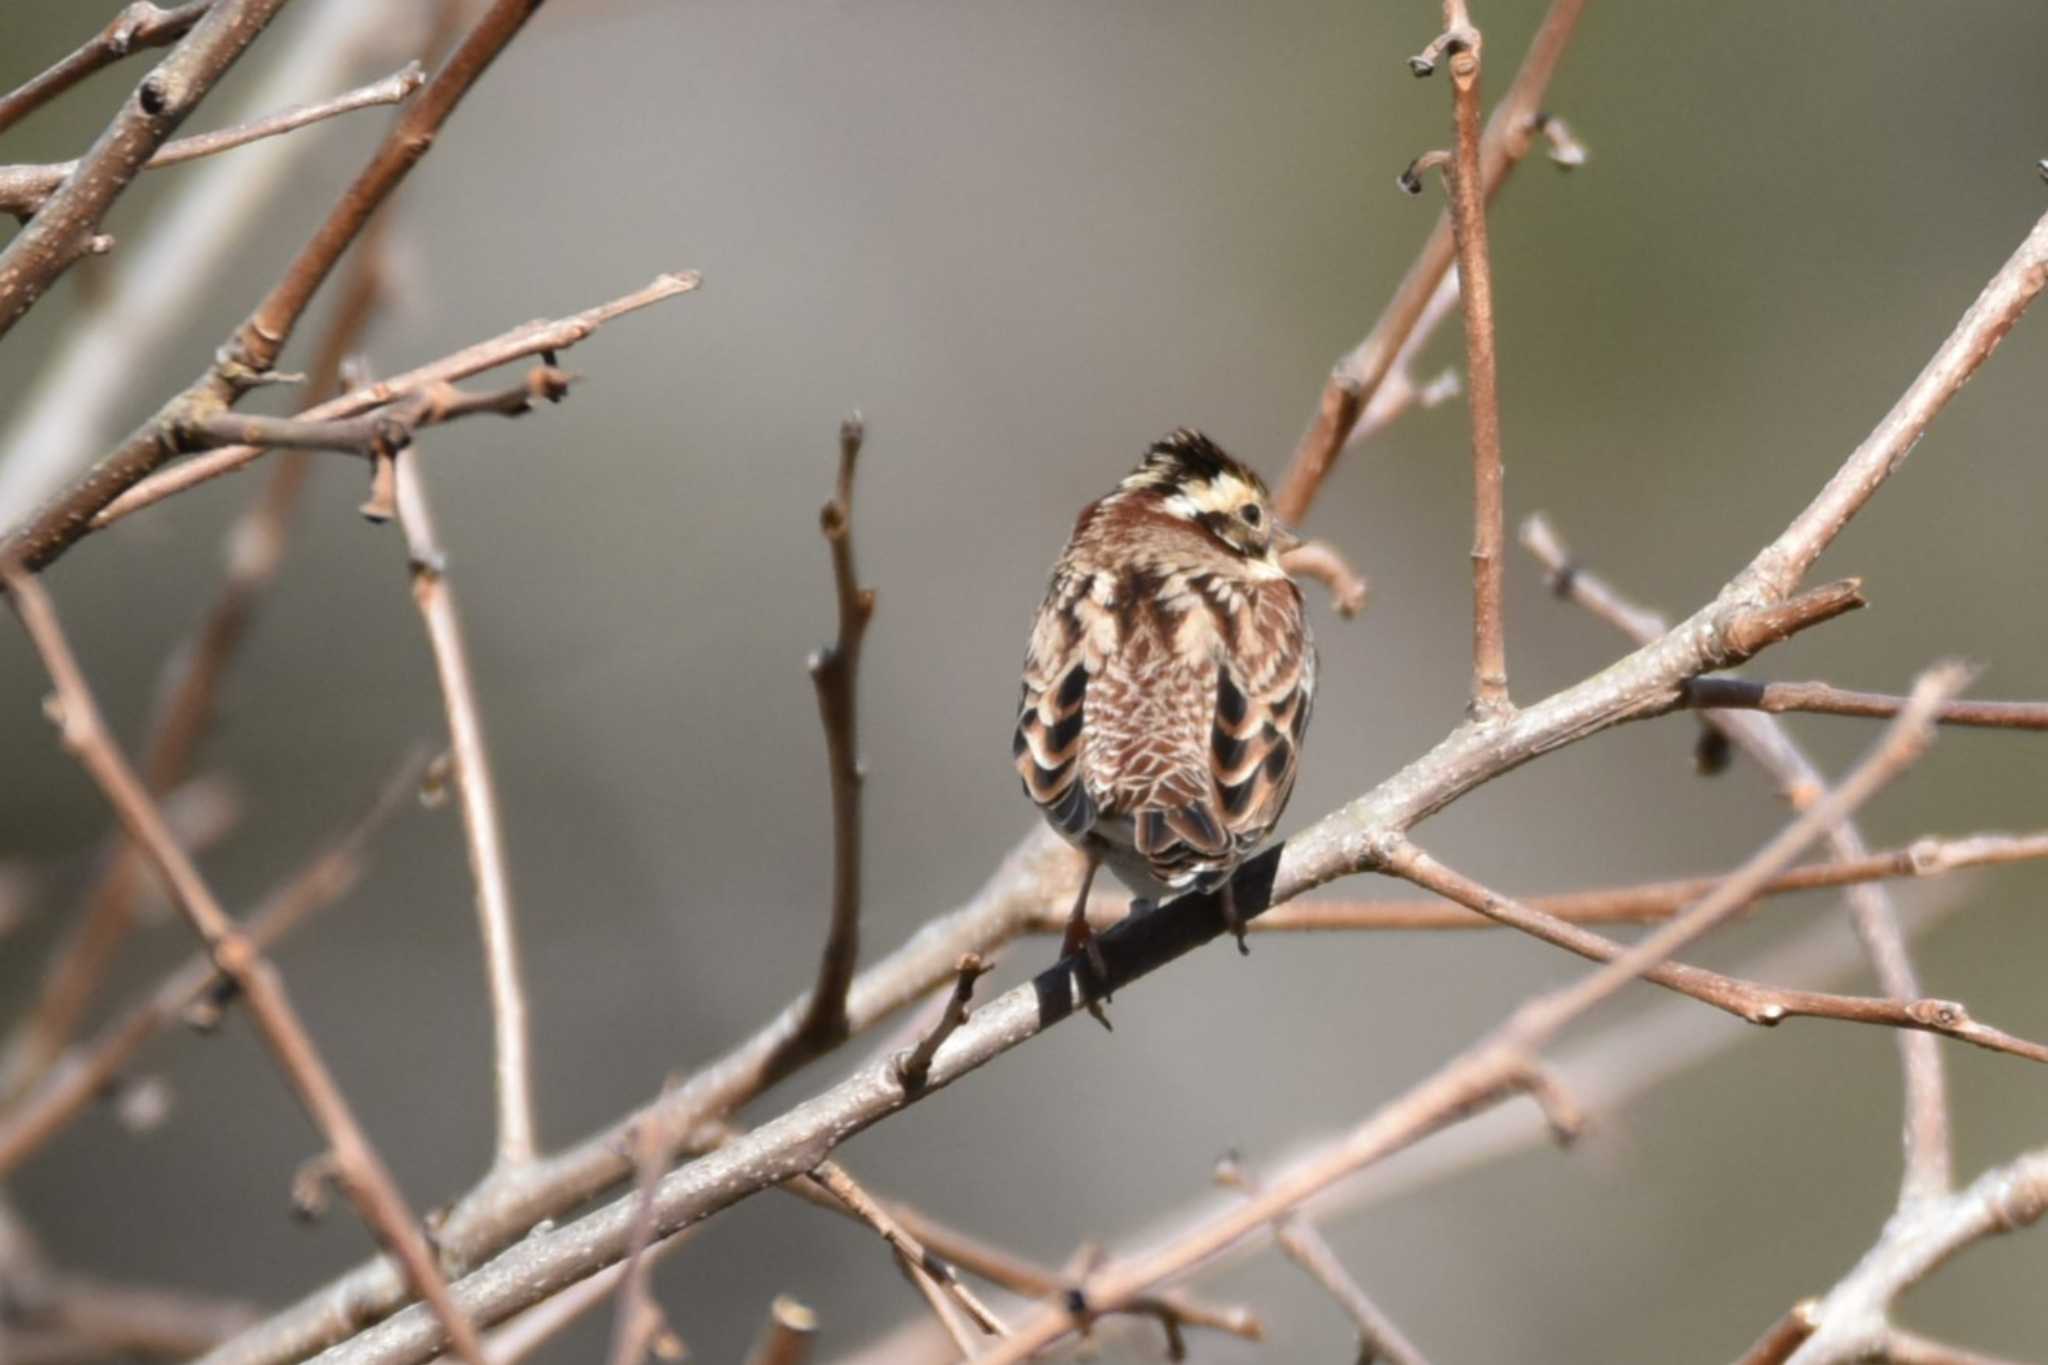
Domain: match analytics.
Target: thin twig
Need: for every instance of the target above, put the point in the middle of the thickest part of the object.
(137, 26)
(483, 831)
(368, 1181)
(835, 674)
(25, 189)
(1635, 903)
(1378, 1337)
(42, 1113)
(920, 1264)
(640, 1324)
(916, 1064)
(60, 232)
(1321, 561)
(1820, 698)
(787, 1338)
(534, 338)
(1475, 293)
(1355, 382)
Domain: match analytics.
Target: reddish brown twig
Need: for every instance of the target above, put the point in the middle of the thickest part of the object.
(482, 828)
(66, 223)
(1358, 376)
(1818, 698)
(1475, 293)
(368, 1182)
(835, 674)
(915, 1065)
(1379, 1339)
(1322, 562)
(787, 1338)
(42, 1113)
(138, 26)
(534, 338)
(25, 189)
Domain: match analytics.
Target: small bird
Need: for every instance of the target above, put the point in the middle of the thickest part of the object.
(1168, 681)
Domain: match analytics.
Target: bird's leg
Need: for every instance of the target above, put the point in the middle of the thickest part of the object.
(1233, 921)
(1080, 936)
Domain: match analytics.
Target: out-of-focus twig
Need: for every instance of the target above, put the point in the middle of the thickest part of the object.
(787, 1338)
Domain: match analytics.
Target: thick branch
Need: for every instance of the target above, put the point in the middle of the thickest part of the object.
(368, 1181)
(25, 189)
(59, 232)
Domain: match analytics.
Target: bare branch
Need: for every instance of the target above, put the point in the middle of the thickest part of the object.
(137, 26)
(1637, 903)
(923, 1268)
(1319, 560)
(42, 1113)
(25, 189)
(835, 673)
(916, 1064)
(484, 833)
(1355, 382)
(1820, 698)
(787, 1338)
(640, 1323)
(369, 1183)
(60, 231)
(534, 338)
(1378, 1337)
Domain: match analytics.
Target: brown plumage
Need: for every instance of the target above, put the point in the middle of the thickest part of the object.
(1169, 677)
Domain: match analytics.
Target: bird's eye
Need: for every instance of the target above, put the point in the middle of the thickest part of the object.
(1250, 513)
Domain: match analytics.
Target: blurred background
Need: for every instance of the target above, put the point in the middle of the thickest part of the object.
(1024, 241)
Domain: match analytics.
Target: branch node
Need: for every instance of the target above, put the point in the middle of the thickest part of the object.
(312, 1188)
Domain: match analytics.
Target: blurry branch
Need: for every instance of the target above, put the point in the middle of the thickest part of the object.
(1378, 1338)
(1321, 561)
(1503, 1063)
(68, 1317)
(1350, 840)
(835, 674)
(1929, 1160)
(1357, 378)
(137, 26)
(1475, 293)
(252, 349)
(534, 338)
(1852, 1321)
(1637, 903)
(197, 985)
(483, 830)
(188, 701)
(175, 261)
(362, 1171)
(1822, 699)
(65, 223)
(25, 189)
(640, 1324)
(520, 1336)
(787, 1338)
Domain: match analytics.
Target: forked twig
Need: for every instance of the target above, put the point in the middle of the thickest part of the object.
(138, 26)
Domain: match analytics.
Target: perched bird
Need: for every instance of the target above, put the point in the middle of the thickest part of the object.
(1168, 681)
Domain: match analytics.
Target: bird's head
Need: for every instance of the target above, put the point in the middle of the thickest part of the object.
(1194, 479)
